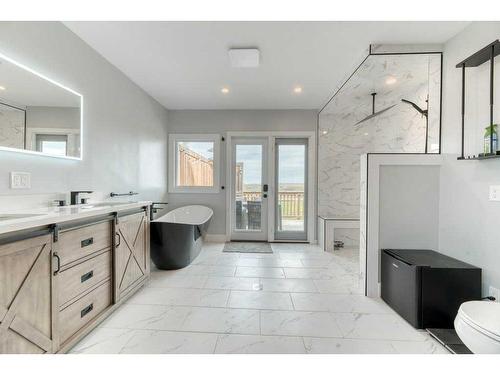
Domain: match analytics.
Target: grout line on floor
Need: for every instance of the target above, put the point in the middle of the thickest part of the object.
(270, 335)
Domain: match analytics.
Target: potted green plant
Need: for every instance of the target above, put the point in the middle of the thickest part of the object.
(487, 143)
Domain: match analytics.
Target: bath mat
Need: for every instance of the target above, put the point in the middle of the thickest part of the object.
(247, 247)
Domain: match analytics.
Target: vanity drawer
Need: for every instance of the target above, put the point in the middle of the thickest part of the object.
(78, 314)
(77, 279)
(78, 243)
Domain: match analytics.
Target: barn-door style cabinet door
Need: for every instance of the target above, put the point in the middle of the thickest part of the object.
(26, 323)
(132, 264)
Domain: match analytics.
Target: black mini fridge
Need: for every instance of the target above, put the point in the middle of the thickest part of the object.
(425, 287)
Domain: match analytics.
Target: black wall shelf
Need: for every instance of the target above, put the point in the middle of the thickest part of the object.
(480, 157)
(482, 56)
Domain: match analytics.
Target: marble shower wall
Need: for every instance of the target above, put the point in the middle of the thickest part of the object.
(11, 127)
(400, 129)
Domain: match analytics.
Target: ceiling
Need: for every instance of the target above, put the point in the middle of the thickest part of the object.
(184, 65)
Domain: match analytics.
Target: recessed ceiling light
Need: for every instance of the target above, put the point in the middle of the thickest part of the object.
(224, 90)
(2, 88)
(391, 80)
(297, 90)
(324, 132)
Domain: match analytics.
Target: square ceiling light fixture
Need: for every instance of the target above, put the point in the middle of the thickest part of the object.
(244, 57)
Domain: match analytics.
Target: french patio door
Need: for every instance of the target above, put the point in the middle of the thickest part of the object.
(250, 189)
(290, 203)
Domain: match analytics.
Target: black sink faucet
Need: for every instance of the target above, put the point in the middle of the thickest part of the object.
(75, 196)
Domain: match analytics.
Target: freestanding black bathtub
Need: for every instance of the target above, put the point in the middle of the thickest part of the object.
(177, 237)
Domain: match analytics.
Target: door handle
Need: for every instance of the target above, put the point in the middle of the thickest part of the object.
(118, 243)
(265, 188)
(56, 256)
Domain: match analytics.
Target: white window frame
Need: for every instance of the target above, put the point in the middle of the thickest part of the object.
(173, 139)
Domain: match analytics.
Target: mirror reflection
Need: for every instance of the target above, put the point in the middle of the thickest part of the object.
(37, 114)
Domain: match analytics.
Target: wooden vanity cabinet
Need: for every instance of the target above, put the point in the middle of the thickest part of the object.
(26, 319)
(56, 286)
(132, 264)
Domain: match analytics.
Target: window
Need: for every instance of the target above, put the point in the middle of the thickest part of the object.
(194, 163)
(53, 144)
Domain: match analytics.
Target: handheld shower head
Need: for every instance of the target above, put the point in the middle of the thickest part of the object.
(419, 110)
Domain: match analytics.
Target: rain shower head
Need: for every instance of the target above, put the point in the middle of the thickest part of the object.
(374, 114)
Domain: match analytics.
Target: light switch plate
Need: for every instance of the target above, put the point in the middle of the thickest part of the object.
(495, 193)
(20, 180)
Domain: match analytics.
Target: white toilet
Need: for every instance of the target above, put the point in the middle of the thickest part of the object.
(478, 326)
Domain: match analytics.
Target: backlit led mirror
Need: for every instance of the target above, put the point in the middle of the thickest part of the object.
(37, 114)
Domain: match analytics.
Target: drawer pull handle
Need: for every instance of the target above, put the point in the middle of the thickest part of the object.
(395, 265)
(87, 276)
(87, 242)
(86, 310)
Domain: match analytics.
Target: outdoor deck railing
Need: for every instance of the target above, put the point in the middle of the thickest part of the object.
(291, 203)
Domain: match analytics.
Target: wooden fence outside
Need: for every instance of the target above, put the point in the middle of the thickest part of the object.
(194, 169)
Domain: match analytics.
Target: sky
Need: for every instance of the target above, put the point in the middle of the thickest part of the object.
(203, 148)
(291, 168)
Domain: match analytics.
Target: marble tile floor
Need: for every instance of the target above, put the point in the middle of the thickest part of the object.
(297, 300)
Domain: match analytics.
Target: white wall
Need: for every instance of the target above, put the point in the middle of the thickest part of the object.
(125, 130)
(469, 224)
(220, 122)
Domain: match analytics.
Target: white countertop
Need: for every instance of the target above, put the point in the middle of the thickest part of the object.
(56, 215)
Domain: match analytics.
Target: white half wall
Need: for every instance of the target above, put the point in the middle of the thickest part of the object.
(124, 130)
(401, 210)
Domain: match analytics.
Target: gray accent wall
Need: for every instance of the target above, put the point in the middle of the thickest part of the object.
(124, 131)
(409, 207)
(220, 122)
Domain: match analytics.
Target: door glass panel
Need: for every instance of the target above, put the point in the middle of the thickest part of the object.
(248, 187)
(291, 187)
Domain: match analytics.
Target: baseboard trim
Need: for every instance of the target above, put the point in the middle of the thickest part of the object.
(224, 238)
(216, 238)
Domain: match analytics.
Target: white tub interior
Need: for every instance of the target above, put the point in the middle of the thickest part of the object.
(192, 215)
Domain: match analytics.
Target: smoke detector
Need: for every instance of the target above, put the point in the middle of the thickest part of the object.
(244, 57)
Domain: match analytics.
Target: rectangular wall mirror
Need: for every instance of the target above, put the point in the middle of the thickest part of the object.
(37, 114)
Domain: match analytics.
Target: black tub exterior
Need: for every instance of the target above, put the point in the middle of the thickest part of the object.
(175, 246)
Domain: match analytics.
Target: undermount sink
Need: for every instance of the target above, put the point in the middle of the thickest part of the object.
(104, 204)
(4, 217)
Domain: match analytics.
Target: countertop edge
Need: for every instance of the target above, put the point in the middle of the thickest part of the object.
(52, 218)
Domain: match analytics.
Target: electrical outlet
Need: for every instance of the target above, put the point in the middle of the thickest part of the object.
(494, 292)
(20, 180)
(495, 193)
